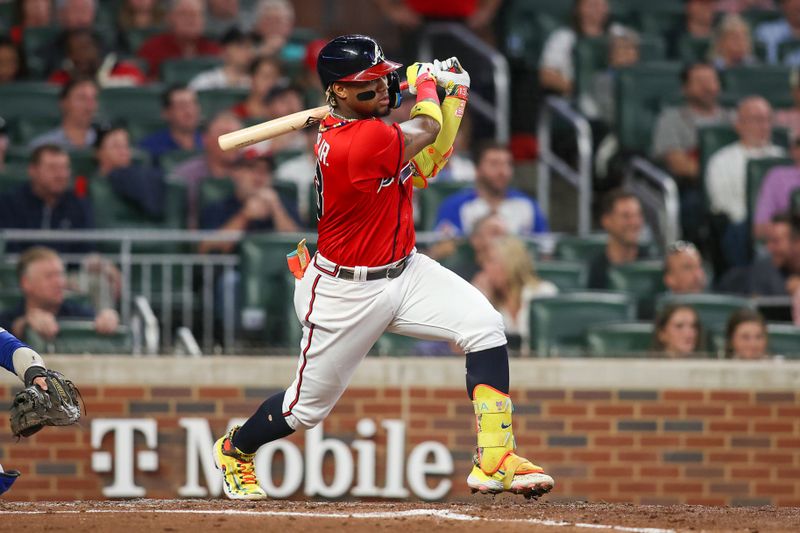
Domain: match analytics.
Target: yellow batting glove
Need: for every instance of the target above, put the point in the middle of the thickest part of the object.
(417, 73)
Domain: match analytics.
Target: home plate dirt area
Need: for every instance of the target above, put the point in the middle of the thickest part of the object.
(503, 513)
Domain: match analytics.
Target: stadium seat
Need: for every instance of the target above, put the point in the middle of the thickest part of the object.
(713, 309)
(566, 275)
(784, 339)
(431, 198)
(79, 337)
(558, 324)
(769, 81)
(527, 23)
(14, 175)
(620, 339)
(393, 344)
(794, 203)
(641, 92)
(34, 42)
(83, 162)
(266, 289)
(693, 49)
(112, 211)
(181, 71)
(757, 170)
(712, 138)
(571, 248)
(214, 101)
(172, 159)
(132, 104)
(134, 38)
(25, 129)
(640, 279)
(29, 99)
(660, 18)
(788, 48)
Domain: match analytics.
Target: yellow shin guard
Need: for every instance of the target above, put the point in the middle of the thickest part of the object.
(496, 444)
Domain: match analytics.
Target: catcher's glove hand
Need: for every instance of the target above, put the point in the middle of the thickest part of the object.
(34, 408)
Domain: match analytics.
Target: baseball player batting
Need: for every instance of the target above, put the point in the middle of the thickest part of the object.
(367, 277)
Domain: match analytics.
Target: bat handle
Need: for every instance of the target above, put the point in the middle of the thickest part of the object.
(403, 85)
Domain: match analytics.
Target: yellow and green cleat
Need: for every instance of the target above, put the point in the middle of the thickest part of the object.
(238, 470)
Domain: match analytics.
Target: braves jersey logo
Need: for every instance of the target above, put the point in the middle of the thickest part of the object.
(405, 173)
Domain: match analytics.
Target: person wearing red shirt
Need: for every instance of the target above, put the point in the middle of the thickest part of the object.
(367, 277)
(184, 38)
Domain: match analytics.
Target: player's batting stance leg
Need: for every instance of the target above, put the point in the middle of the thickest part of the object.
(366, 277)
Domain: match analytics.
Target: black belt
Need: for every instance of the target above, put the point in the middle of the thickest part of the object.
(382, 273)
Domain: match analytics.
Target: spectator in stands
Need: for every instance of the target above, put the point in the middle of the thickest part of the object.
(284, 99)
(677, 331)
(746, 335)
(224, 15)
(238, 49)
(773, 33)
(254, 206)
(699, 18)
(623, 51)
(212, 163)
(43, 282)
(265, 73)
(300, 170)
(683, 269)
(726, 179)
(84, 60)
(274, 24)
(733, 45)
(556, 69)
(776, 192)
(184, 38)
(78, 103)
(11, 63)
(72, 15)
(509, 281)
(46, 201)
(467, 265)
(411, 14)
(4, 142)
(31, 14)
(140, 185)
(675, 132)
(621, 217)
(140, 15)
(770, 275)
(492, 193)
(789, 118)
(182, 114)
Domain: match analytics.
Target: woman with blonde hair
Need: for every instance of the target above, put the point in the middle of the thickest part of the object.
(733, 44)
(509, 281)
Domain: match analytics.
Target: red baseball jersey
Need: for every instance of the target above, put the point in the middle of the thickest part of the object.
(364, 193)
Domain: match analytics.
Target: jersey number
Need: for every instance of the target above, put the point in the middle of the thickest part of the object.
(318, 190)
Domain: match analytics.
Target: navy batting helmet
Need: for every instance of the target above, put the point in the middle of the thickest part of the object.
(353, 58)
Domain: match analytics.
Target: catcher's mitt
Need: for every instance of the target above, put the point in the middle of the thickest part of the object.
(34, 408)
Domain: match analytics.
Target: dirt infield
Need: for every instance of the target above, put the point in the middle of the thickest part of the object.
(504, 513)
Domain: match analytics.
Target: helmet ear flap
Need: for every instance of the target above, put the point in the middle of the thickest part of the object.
(395, 94)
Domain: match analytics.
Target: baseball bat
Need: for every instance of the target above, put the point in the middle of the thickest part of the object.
(276, 127)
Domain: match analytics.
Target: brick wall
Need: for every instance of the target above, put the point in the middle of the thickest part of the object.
(642, 445)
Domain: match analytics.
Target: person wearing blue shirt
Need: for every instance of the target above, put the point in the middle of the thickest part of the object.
(28, 365)
(521, 214)
(182, 113)
(775, 32)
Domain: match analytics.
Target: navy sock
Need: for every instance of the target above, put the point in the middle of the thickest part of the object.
(488, 367)
(266, 425)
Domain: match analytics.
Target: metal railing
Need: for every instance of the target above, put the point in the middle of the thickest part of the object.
(144, 326)
(153, 276)
(499, 111)
(580, 177)
(658, 194)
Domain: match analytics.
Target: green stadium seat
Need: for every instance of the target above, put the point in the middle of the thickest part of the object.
(134, 39)
(171, 160)
(558, 324)
(640, 279)
(392, 344)
(431, 198)
(527, 23)
(693, 49)
(788, 48)
(8, 277)
(14, 175)
(25, 129)
(214, 101)
(757, 170)
(641, 92)
(267, 284)
(566, 275)
(83, 162)
(132, 104)
(660, 18)
(784, 339)
(573, 248)
(794, 203)
(712, 138)
(591, 56)
(79, 337)
(769, 81)
(620, 339)
(181, 71)
(713, 309)
(34, 41)
(112, 211)
(29, 99)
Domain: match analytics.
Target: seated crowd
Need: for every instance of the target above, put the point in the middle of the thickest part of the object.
(249, 65)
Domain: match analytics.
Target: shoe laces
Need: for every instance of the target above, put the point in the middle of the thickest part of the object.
(246, 471)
